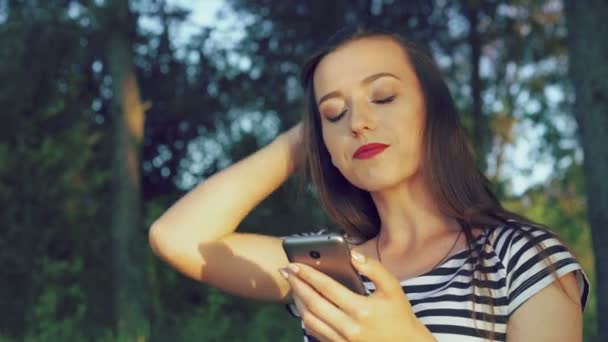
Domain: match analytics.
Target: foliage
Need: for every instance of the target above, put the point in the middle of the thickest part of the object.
(214, 100)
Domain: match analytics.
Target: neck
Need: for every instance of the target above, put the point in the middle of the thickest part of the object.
(409, 216)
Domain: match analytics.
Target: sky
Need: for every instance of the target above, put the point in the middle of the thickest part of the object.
(517, 155)
(203, 13)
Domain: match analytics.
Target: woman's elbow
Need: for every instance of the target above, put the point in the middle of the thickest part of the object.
(155, 239)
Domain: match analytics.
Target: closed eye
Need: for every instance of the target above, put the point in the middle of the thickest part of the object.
(385, 100)
(381, 101)
(337, 117)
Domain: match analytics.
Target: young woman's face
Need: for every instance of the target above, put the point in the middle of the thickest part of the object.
(367, 92)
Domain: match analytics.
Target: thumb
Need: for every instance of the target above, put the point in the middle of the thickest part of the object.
(384, 281)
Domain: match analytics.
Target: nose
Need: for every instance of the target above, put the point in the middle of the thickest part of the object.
(362, 118)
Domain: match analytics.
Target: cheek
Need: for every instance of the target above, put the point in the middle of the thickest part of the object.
(412, 144)
(329, 144)
(409, 124)
(335, 148)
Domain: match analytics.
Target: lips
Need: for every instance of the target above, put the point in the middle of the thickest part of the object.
(369, 150)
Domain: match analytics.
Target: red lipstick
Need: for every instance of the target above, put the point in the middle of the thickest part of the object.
(369, 150)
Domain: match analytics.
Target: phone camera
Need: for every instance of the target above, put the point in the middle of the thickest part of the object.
(315, 254)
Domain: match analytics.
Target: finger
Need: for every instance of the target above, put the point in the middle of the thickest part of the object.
(348, 301)
(385, 282)
(314, 326)
(319, 306)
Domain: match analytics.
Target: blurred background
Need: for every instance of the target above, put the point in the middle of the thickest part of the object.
(112, 110)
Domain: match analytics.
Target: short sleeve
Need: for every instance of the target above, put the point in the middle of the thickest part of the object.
(528, 273)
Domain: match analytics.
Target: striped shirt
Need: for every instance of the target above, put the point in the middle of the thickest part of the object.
(441, 298)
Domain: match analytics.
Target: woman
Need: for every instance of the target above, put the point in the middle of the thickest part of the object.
(440, 257)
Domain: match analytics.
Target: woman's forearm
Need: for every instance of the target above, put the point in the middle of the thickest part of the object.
(215, 207)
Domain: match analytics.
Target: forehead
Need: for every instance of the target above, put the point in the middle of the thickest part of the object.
(350, 63)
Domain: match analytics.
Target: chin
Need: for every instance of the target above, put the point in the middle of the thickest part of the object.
(375, 184)
(376, 187)
(383, 181)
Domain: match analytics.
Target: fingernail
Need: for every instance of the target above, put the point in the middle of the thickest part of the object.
(358, 256)
(283, 273)
(293, 268)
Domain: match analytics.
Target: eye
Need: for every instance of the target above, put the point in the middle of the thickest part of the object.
(385, 100)
(337, 117)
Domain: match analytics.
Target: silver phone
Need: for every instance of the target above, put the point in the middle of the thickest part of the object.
(328, 253)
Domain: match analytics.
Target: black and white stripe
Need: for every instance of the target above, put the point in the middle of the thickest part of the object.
(443, 298)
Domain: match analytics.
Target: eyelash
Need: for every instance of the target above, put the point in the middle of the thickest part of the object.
(381, 101)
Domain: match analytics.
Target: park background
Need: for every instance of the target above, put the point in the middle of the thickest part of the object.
(112, 110)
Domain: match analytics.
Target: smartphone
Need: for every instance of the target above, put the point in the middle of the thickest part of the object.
(328, 253)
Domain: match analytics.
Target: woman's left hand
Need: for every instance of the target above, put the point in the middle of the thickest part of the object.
(332, 312)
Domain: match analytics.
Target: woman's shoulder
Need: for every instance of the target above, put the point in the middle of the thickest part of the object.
(514, 239)
(533, 257)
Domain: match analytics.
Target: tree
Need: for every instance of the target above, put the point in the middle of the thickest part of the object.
(66, 115)
(128, 128)
(587, 34)
(52, 176)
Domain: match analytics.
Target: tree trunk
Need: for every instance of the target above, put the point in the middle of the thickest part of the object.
(587, 37)
(480, 124)
(128, 126)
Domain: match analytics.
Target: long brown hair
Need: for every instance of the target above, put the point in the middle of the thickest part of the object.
(458, 187)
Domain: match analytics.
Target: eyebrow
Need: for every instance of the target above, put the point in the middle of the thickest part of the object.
(365, 81)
